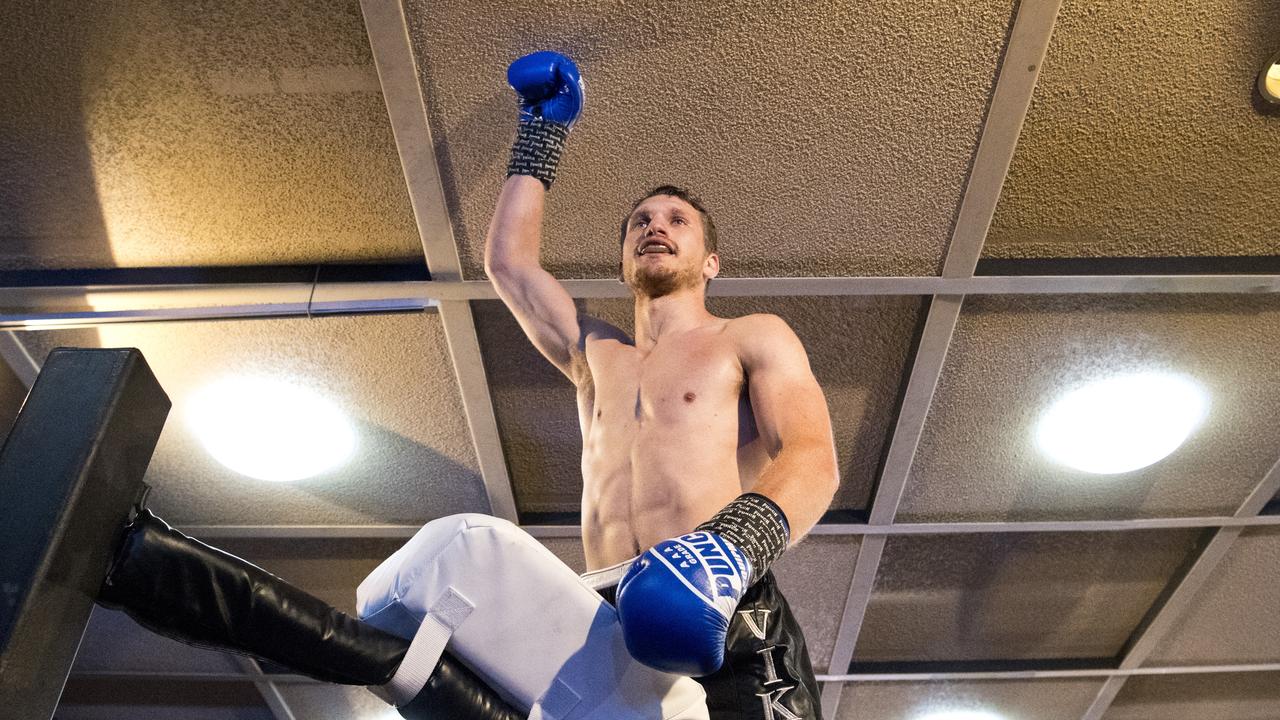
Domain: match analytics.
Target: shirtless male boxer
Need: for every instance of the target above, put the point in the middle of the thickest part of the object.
(705, 431)
(707, 444)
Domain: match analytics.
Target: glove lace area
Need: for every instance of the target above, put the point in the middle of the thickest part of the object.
(537, 149)
(757, 526)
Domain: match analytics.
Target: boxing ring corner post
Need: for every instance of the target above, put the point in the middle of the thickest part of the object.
(70, 473)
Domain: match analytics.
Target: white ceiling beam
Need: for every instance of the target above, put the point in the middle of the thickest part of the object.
(1046, 674)
(923, 676)
(393, 56)
(829, 530)
(33, 308)
(1176, 603)
(1015, 82)
(266, 687)
(18, 358)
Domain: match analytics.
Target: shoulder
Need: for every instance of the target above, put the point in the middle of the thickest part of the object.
(759, 327)
(764, 336)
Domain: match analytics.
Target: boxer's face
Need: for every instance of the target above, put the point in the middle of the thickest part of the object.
(664, 249)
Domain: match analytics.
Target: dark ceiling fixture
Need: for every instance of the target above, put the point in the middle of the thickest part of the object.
(1269, 81)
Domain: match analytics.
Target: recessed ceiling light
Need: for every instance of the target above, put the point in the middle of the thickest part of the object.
(961, 715)
(1122, 423)
(270, 430)
(1269, 80)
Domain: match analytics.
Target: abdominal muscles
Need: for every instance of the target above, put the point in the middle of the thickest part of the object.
(653, 481)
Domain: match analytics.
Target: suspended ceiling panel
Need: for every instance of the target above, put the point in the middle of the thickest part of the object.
(826, 139)
(815, 576)
(329, 568)
(334, 702)
(858, 348)
(1233, 619)
(145, 133)
(390, 374)
(1142, 139)
(1233, 696)
(1016, 596)
(148, 699)
(1011, 357)
(12, 394)
(1023, 700)
(113, 642)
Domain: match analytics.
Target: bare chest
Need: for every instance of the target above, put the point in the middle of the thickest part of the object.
(681, 380)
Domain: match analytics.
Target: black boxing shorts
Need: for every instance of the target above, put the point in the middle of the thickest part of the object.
(766, 673)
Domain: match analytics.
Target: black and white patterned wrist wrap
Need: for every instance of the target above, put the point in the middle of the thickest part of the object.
(537, 149)
(757, 526)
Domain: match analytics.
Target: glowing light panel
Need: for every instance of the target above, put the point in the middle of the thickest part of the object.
(1122, 423)
(961, 715)
(1269, 80)
(270, 430)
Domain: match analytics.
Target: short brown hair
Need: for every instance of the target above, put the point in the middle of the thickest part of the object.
(709, 236)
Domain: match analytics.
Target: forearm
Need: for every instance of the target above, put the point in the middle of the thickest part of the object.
(801, 480)
(515, 234)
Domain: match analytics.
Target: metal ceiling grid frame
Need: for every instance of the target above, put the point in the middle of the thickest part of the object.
(1019, 68)
(825, 529)
(52, 307)
(293, 679)
(1028, 42)
(1176, 603)
(406, 107)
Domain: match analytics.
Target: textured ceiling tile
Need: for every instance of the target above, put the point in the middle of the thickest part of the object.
(535, 408)
(858, 348)
(1142, 140)
(143, 133)
(329, 568)
(1015, 700)
(390, 374)
(146, 699)
(569, 550)
(1012, 356)
(815, 577)
(1233, 619)
(114, 642)
(317, 701)
(1014, 596)
(1241, 696)
(12, 395)
(826, 139)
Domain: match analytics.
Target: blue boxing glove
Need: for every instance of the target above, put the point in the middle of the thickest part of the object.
(676, 600)
(549, 87)
(550, 93)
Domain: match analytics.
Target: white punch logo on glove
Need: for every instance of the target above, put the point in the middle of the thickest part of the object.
(706, 564)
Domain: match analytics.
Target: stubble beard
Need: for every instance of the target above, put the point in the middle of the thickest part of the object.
(656, 282)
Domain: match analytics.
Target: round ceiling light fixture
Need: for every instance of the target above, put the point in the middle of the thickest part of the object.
(1122, 423)
(269, 429)
(1269, 80)
(961, 715)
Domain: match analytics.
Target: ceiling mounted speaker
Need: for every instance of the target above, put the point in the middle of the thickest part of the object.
(1269, 80)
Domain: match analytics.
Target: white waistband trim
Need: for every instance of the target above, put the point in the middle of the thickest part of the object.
(606, 577)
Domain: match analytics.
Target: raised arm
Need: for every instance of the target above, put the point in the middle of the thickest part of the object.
(792, 417)
(550, 93)
(537, 300)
